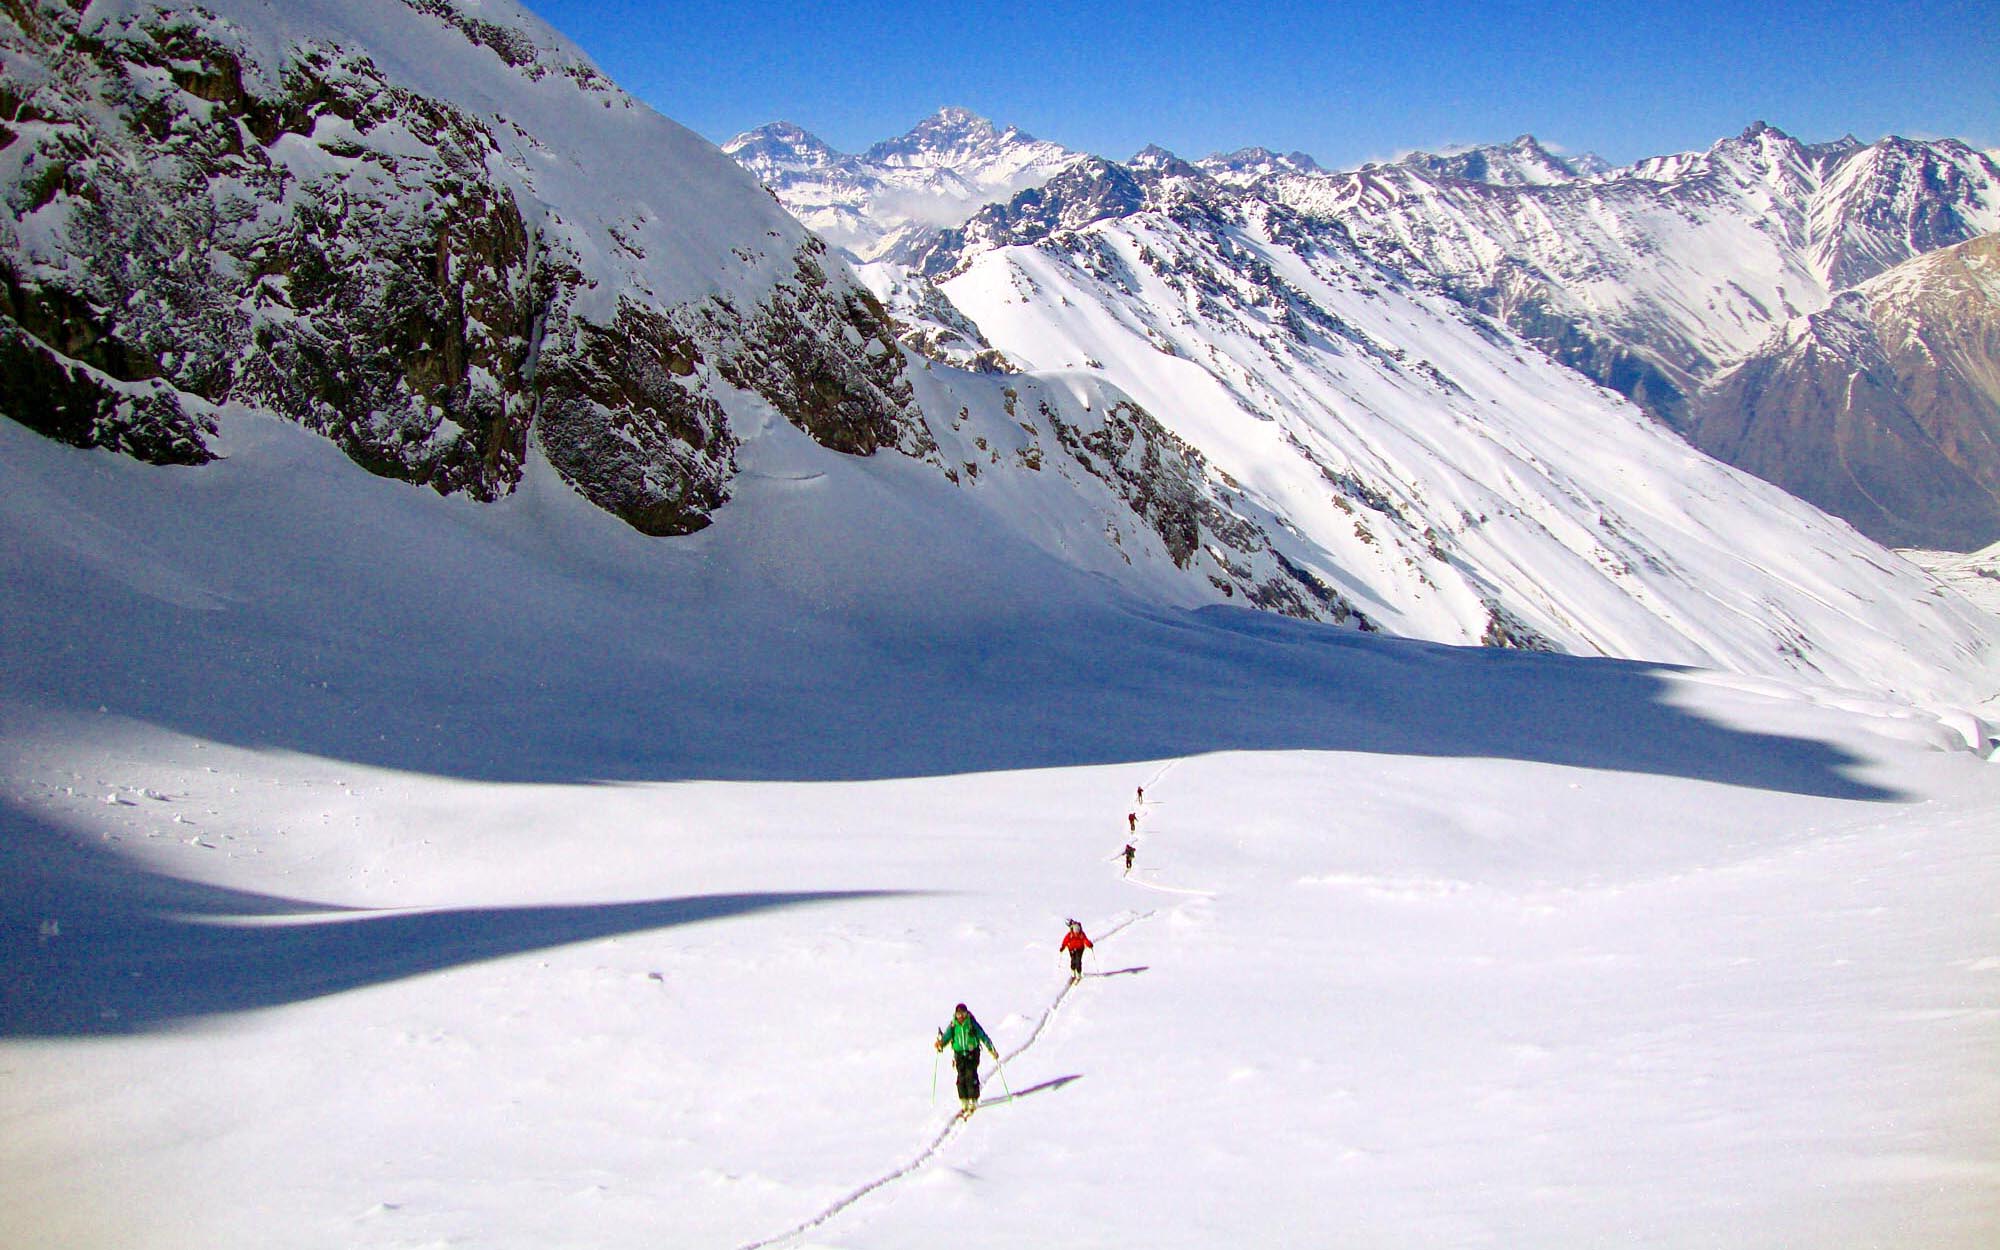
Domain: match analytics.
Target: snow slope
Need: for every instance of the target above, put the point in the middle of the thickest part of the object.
(383, 869)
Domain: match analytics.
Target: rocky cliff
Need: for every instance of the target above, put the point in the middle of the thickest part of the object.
(365, 219)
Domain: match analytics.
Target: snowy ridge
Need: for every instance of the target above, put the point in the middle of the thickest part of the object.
(1689, 259)
(665, 228)
(1522, 163)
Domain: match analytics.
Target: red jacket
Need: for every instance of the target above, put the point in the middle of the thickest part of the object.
(1074, 940)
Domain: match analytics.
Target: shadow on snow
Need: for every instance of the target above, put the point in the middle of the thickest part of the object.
(92, 944)
(516, 699)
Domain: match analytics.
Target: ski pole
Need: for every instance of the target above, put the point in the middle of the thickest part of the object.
(1001, 1068)
(934, 1067)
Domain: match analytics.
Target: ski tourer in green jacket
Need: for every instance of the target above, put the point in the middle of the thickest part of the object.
(964, 1035)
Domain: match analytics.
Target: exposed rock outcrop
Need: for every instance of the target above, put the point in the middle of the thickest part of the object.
(199, 217)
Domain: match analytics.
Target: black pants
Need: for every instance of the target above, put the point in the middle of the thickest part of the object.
(1076, 962)
(968, 1072)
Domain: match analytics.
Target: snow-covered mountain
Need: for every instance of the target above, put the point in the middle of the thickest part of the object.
(1244, 164)
(938, 173)
(1522, 163)
(1685, 262)
(1652, 279)
(425, 237)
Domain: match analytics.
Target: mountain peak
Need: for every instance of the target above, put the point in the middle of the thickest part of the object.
(1258, 162)
(949, 137)
(1764, 132)
(1157, 160)
(781, 141)
(953, 117)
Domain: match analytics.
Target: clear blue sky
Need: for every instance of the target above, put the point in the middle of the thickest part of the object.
(1343, 82)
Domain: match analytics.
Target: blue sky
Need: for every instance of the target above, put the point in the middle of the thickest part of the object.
(1345, 83)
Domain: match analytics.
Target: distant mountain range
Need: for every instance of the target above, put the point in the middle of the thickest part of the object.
(1655, 280)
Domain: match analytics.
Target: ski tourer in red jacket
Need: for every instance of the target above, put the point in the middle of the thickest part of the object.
(1075, 942)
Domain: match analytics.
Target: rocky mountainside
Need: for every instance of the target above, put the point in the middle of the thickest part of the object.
(942, 170)
(1902, 375)
(412, 227)
(415, 227)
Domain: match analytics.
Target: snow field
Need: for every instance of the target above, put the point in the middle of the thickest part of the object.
(1720, 1043)
(1420, 1002)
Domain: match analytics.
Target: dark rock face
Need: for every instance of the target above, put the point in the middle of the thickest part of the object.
(161, 256)
(76, 404)
(618, 423)
(1164, 481)
(798, 353)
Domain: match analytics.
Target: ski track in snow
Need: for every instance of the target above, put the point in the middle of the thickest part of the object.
(945, 1134)
(952, 1127)
(1169, 889)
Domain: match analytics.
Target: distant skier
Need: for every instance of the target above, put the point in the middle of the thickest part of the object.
(1142, 796)
(1129, 853)
(1076, 942)
(966, 1037)
(1131, 822)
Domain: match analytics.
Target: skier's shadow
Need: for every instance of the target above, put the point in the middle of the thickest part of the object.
(1120, 972)
(93, 943)
(1053, 1083)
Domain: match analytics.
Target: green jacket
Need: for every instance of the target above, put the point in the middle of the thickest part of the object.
(965, 1036)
